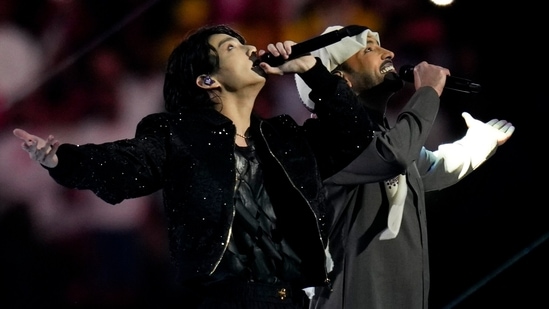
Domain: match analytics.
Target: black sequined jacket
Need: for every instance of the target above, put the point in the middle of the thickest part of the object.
(190, 157)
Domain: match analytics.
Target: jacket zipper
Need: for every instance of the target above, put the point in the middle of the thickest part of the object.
(230, 227)
(326, 279)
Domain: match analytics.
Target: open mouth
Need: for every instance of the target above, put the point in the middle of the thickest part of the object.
(387, 67)
(255, 66)
(259, 71)
(255, 60)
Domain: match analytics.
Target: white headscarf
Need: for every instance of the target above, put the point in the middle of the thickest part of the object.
(334, 55)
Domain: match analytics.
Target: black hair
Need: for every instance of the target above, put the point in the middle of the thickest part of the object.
(193, 57)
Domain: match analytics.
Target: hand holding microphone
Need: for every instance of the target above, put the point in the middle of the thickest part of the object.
(284, 51)
(426, 74)
(429, 75)
(313, 44)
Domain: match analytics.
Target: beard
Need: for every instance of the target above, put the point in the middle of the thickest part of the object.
(377, 97)
(391, 83)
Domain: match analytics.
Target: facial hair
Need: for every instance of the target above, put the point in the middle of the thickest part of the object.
(377, 96)
(391, 83)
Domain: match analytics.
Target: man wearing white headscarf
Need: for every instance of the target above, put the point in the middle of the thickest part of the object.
(378, 224)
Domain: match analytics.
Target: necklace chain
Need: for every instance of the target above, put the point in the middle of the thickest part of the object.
(240, 135)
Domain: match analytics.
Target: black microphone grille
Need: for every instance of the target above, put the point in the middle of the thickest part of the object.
(406, 73)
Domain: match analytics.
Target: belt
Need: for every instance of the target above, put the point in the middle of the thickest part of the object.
(265, 292)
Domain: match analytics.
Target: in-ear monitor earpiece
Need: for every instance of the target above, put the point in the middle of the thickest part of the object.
(208, 80)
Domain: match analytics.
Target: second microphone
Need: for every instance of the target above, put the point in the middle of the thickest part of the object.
(406, 73)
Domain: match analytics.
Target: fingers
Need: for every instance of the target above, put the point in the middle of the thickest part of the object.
(499, 124)
(22, 134)
(40, 150)
(47, 152)
(505, 133)
(509, 128)
(30, 142)
(496, 123)
(270, 70)
(49, 142)
(469, 120)
(54, 148)
(283, 49)
(277, 50)
(466, 116)
(426, 74)
(40, 153)
(504, 130)
(502, 125)
(499, 129)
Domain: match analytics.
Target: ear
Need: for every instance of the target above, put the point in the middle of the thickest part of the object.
(205, 81)
(342, 75)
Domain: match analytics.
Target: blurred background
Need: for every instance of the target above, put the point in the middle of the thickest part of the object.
(89, 70)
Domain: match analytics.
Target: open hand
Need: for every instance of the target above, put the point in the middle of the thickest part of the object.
(501, 129)
(40, 150)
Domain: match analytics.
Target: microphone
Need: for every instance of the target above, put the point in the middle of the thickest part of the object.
(406, 73)
(304, 48)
